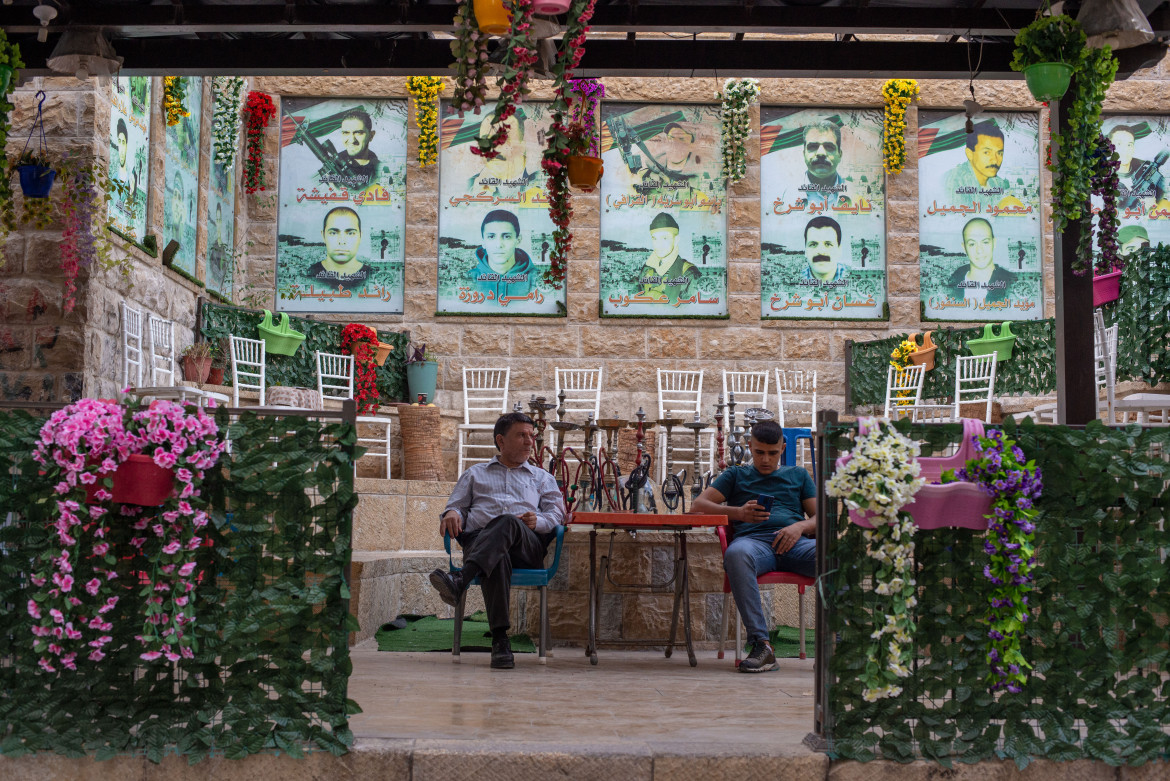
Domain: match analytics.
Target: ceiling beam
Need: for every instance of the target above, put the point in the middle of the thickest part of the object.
(603, 57)
(159, 20)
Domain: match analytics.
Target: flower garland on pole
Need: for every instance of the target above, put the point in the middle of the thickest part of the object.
(1015, 484)
(225, 117)
(1104, 181)
(898, 94)
(881, 476)
(84, 189)
(426, 90)
(174, 91)
(471, 60)
(519, 56)
(738, 95)
(257, 112)
(360, 341)
(556, 152)
(79, 449)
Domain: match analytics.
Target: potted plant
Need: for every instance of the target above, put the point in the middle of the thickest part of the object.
(1049, 51)
(584, 163)
(422, 373)
(36, 174)
(923, 354)
(220, 352)
(196, 361)
(492, 16)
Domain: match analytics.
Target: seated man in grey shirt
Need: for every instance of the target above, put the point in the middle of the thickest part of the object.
(504, 514)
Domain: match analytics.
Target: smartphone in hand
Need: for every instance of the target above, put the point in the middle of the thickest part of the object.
(765, 501)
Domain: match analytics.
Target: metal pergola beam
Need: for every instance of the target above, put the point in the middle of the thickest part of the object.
(603, 57)
(162, 20)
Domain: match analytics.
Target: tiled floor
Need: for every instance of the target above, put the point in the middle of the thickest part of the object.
(638, 698)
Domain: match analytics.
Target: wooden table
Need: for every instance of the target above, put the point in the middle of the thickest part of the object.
(599, 570)
(1143, 404)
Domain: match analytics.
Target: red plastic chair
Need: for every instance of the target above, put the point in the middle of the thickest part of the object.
(800, 581)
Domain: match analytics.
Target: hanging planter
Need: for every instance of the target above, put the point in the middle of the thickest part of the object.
(923, 354)
(898, 94)
(426, 90)
(492, 17)
(140, 481)
(1048, 81)
(1106, 288)
(228, 92)
(174, 99)
(585, 172)
(258, 111)
(551, 7)
(36, 178)
(279, 339)
(1001, 344)
(958, 505)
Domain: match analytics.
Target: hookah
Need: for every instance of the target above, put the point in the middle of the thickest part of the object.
(735, 448)
(638, 484)
(720, 462)
(697, 425)
(749, 419)
(607, 471)
(539, 406)
(591, 498)
(673, 493)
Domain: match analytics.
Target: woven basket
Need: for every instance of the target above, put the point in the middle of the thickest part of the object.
(422, 453)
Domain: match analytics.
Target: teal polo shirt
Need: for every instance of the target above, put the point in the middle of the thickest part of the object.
(791, 485)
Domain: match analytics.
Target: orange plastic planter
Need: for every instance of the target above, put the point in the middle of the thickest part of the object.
(492, 16)
(585, 172)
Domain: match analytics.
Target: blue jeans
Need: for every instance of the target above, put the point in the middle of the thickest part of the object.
(746, 559)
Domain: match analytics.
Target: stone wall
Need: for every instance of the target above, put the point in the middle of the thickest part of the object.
(630, 351)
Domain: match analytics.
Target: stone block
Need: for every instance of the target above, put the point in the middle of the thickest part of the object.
(583, 308)
(549, 342)
(648, 616)
(422, 523)
(12, 256)
(608, 340)
(714, 624)
(379, 522)
(42, 256)
(739, 342)
(631, 563)
(488, 340)
(27, 386)
(15, 348)
(902, 216)
(744, 277)
(812, 767)
(420, 273)
(46, 766)
(422, 241)
(744, 245)
(745, 309)
(676, 342)
(457, 762)
(903, 281)
(806, 345)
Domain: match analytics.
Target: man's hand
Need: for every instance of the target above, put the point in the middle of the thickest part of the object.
(753, 512)
(785, 539)
(451, 523)
(529, 519)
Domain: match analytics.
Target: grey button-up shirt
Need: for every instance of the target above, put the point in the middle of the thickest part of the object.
(487, 490)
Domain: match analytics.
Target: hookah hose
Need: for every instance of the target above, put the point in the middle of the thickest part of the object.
(673, 495)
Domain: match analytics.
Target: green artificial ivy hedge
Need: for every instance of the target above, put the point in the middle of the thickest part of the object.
(220, 321)
(272, 611)
(1099, 634)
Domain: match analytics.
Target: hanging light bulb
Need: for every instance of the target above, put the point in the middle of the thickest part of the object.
(1120, 24)
(46, 14)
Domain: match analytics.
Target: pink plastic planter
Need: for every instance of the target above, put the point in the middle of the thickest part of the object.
(1106, 288)
(551, 7)
(961, 505)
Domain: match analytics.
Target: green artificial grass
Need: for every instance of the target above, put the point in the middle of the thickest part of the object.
(430, 633)
(786, 642)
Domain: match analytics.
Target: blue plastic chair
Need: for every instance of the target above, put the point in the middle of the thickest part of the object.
(792, 437)
(529, 578)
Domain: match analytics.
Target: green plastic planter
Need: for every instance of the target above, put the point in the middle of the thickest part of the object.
(1048, 80)
(421, 377)
(1001, 344)
(279, 339)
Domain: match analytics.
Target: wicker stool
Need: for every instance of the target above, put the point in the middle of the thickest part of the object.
(422, 454)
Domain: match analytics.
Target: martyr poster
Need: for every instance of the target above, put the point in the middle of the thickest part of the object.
(663, 211)
(129, 154)
(221, 231)
(181, 175)
(980, 234)
(822, 214)
(342, 218)
(1143, 208)
(495, 233)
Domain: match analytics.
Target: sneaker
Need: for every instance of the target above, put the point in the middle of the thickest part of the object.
(449, 585)
(502, 654)
(761, 660)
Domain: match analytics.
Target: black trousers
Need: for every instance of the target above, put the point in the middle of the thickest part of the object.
(505, 543)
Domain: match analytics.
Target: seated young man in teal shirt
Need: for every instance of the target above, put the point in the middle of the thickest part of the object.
(763, 540)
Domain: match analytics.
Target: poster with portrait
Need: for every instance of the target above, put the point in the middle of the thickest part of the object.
(822, 214)
(221, 231)
(663, 211)
(495, 233)
(181, 167)
(129, 154)
(979, 228)
(1143, 206)
(342, 221)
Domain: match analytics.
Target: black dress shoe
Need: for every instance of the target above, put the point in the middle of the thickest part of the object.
(449, 585)
(502, 655)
